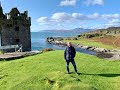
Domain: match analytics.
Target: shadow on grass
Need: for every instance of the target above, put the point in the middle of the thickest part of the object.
(104, 75)
(73, 73)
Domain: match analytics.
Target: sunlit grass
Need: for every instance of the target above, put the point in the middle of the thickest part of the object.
(89, 42)
(47, 72)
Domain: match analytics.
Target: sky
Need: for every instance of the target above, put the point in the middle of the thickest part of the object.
(68, 14)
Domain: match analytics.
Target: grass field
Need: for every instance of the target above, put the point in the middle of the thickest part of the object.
(90, 42)
(113, 41)
(47, 72)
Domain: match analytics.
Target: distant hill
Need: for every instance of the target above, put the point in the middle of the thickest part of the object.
(80, 30)
(111, 31)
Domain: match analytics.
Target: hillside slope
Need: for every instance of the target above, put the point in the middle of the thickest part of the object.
(47, 72)
(106, 38)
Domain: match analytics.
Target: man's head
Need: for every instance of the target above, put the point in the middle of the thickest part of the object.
(69, 44)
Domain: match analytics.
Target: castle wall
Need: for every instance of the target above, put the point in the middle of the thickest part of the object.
(0, 39)
(17, 35)
(15, 30)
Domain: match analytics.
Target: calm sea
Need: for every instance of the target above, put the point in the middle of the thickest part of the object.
(38, 40)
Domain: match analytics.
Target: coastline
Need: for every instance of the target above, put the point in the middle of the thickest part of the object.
(101, 52)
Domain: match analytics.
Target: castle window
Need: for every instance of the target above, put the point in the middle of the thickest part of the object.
(16, 23)
(9, 25)
(17, 40)
(16, 28)
(15, 18)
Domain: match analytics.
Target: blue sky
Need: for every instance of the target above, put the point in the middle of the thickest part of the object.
(68, 14)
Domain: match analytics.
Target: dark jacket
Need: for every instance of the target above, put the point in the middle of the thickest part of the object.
(69, 53)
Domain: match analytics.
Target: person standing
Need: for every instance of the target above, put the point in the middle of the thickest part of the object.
(69, 55)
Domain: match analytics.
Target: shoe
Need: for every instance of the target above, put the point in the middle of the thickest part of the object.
(77, 73)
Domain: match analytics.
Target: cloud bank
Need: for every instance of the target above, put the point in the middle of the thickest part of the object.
(68, 3)
(94, 2)
(87, 2)
(79, 19)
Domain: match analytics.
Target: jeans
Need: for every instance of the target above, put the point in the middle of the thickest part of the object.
(73, 63)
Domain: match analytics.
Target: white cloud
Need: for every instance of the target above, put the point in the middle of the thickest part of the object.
(111, 16)
(114, 21)
(94, 16)
(42, 19)
(68, 3)
(111, 23)
(58, 17)
(69, 19)
(94, 2)
(79, 16)
(64, 17)
(87, 2)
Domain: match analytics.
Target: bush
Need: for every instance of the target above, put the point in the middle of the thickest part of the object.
(59, 39)
(91, 35)
(67, 38)
(79, 35)
(75, 38)
(47, 49)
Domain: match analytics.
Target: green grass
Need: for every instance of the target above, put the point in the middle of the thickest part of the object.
(1, 52)
(90, 43)
(47, 72)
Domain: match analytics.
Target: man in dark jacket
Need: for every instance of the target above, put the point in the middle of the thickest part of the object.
(69, 55)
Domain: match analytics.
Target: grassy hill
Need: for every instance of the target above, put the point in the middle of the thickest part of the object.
(47, 72)
(111, 31)
(91, 42)
(106, 38)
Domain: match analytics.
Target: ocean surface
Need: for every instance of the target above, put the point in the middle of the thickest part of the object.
(38, 40)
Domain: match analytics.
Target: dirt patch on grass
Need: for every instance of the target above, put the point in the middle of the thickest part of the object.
(113, 41)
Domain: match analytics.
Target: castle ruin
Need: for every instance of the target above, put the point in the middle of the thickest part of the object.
(15, 29)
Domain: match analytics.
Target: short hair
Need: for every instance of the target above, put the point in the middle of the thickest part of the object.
(69, 43)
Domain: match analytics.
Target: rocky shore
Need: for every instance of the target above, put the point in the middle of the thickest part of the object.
(101, 52)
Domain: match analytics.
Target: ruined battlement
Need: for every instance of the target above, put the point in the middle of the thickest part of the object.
(15, 29)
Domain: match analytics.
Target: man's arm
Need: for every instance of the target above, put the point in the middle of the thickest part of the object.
(74, 52)
(65, 54)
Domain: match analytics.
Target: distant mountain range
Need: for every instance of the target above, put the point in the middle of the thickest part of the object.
(113, 30)
(80, 30)
(67, 29)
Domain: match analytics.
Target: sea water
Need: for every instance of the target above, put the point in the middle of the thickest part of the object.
(38, 40)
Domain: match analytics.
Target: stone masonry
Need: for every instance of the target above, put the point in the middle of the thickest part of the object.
(15, 29)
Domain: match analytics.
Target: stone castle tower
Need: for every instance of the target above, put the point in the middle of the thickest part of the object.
(15, 29)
